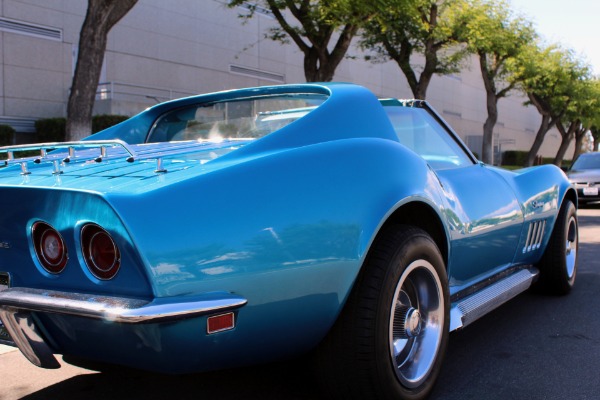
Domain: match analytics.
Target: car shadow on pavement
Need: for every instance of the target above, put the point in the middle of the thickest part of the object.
(591, 206)
(283, 380)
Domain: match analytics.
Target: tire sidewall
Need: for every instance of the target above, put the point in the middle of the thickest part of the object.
(417, 247)
(554, 277)
(570, 212)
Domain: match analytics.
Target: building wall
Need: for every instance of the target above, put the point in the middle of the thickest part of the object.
(168, 49)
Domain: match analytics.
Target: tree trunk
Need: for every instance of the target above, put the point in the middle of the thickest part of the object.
(418, 86)
(487, 149)
(537, 142)
(319, 63)
(101, 16)
(562, 150)
(579, 136)
(567, 136)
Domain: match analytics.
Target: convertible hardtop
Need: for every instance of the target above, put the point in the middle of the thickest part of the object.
(120, 159)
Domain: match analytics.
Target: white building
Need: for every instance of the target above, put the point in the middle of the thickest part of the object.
(168, 49)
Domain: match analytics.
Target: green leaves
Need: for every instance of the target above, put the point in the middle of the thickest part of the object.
(322, 30)
(402, 29)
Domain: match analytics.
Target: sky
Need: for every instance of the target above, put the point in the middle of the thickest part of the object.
(573, 23)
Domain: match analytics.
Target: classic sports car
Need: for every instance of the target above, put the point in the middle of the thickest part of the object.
(245, 226)
(585, 175)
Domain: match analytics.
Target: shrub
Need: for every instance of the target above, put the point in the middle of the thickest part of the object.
(50, 130)
(514, 157)
(7, 134)
(54, 129)
(101, 122)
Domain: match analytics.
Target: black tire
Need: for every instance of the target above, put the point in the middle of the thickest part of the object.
(390, 339)
(558, 266)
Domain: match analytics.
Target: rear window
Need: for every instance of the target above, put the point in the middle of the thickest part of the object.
(241, 118)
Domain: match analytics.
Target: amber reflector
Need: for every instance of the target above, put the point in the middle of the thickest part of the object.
(219, 323)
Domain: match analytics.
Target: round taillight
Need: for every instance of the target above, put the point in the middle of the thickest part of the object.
(49, 247)
(100, 252)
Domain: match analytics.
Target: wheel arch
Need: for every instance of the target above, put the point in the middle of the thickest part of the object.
(421, 215)
(571, 195)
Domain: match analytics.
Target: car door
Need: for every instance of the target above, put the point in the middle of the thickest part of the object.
(485, 220)
(481, 210)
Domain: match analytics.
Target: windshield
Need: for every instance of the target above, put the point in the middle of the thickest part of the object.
(420, 132)
(241, 118)
(587, 161)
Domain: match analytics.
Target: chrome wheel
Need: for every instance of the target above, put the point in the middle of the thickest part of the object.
(571, 246)
(558, 265)
(389, 342)
(416, 323)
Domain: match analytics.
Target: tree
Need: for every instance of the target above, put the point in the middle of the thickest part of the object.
(101, 16)
(546, 76)
(595, 128)
(317, 24)
(496, 36)
(580, 116)
(596, 135)
(408, 27)
(590, 113)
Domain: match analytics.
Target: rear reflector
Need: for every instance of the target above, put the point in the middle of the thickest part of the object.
(220, 323)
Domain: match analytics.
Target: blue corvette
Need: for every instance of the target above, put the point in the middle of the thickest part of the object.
(250, 225)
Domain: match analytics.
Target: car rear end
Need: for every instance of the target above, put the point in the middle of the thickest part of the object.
(72, 280)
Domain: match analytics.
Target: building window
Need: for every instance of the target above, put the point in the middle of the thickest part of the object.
(29, 29)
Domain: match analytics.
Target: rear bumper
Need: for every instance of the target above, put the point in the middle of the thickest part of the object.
(18, 304)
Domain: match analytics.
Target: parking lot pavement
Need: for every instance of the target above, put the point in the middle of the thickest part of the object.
(19, 378)
(6, 349)
(589, 224)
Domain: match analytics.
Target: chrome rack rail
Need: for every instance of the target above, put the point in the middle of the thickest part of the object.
(71, 146)
(44, 148)
(122, 149)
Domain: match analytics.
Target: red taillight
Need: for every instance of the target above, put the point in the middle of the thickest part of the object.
(49, 247)
(100, 252)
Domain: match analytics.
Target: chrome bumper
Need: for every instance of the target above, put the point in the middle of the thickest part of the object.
(17, 305)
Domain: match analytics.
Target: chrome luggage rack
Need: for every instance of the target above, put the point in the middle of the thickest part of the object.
(46, 154)
(85, 152)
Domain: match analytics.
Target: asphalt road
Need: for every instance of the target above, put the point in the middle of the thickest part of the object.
(534, 347)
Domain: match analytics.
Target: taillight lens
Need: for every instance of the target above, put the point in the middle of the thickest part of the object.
(100, 252)
(49, 247)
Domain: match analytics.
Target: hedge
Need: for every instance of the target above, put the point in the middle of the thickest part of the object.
(101, 122)
(516, 157)
(50, 130)
(7, 134)
(53, 129)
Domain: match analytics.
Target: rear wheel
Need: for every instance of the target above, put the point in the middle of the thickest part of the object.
(390, 339)
(558, 266)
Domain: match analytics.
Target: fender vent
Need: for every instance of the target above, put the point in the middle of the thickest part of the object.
(535, 235)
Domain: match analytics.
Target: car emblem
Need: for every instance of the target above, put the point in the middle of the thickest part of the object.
(537, 204)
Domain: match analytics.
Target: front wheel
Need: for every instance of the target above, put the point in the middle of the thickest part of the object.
(390, 339)
(558, 266)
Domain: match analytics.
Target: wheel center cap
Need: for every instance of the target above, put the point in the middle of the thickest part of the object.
(413, 322)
